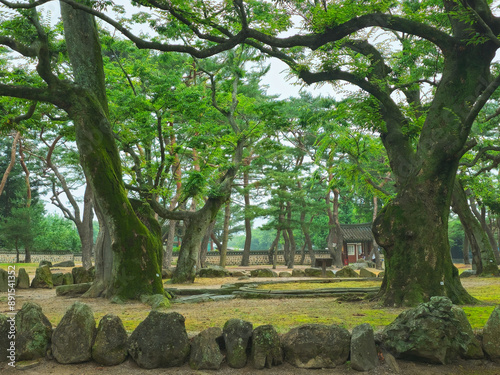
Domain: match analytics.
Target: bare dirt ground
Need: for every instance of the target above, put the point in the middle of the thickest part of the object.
(203, 315)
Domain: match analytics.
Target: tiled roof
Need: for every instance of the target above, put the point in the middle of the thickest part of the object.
(357, 232)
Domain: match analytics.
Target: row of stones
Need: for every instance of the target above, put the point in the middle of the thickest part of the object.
(44, 278)
(436, 332)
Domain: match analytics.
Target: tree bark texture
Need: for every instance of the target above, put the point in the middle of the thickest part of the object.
(245, 260)
(225, 234)
(481, 248)
(136, 250)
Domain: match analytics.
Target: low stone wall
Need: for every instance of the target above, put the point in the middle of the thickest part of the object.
(233, 257)
(433, 332)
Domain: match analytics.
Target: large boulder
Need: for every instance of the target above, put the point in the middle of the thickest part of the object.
(467, 273)
(205, 350)
(363, 272)
(297, 272)
(81, 275)
(33, 333)
(285, 274)
(160, 340)
(313, 272)
(434, 332)
(491, 336)
(347, 271)
(68, 279)
(57, 278)
(266, 348)
(214, 271)
(364, 355)
(316, 346)
(73, 290)
(237, 334)
(7, 329)
(110, 344)
(263, 272)
(73, 337)
(43, 278)
(66, 263)
(45, 263)
(23, 279)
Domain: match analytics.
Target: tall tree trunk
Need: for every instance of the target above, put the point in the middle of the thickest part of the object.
(480, 245)
(466, 249)
(334, 231)
(286, 246)
(225, 234)
(485, 228)
(375, 251)
(86, 229)
(245, 260)
(291, 237)
(204, 244)
(273, 249)
(167, 255)
(307, 237)
(136, 250)
(12, 161)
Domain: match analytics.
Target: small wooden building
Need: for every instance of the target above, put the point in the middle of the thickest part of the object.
(358, 242)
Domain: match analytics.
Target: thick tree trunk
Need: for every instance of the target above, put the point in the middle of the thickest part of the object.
(481, 247)
(136, 250)
(204, 244)
(167, 255)
(225, 234)
(466, 249)
(245, 260)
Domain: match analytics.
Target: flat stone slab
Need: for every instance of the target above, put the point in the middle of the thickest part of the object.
(203, 298)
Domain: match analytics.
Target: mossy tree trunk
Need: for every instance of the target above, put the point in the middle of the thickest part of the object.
(481, 247)
(136, 257)
(413, 228)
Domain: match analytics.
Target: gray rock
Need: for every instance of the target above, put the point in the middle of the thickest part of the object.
(347, 271)
(237, 334)
(156, 301)
(392, 363)
(298, 273)
(73, 290)
(160, 340)
(43, 278)
(313, 272)
(110, 345)
(73, 337)
(266, 348)
(4, 281)
(285, 274)
(433, 332)
(23, 280)
(214, 271)
(66, 263)
(68, 279)
(263, 272)
(33, 333)
(45, 263)
(363, 272)
(316, 346)
(363, 351)
(491, 336)
(57, 278)
(205, 350)
(81, 275)
(7, 344)
(467, 273)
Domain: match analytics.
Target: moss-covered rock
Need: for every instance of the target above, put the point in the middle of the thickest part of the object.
(43, 278)
(205, 350)
(214, 271)
(433, 332)
(73, 337)
(263, 272)
(72, 290)
(23, 279)
(363, 351)
(285, 274)
(68, 279)
(33, 332)
(298, 273)
(156, 301)
(81, 275)
(45, 263)
(237, 334)
(5, 340)
(313, 272)
(266, 349)
(160, 340)
(316, 346)
(4, 281)
(491, 335)
(346, 272)
(57, 278)
(66, 263)
(110, 345)
(363, 272)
